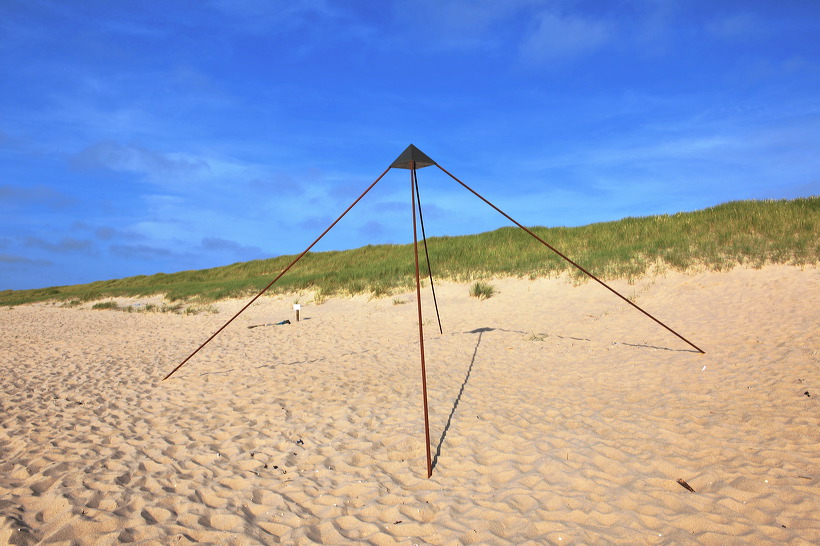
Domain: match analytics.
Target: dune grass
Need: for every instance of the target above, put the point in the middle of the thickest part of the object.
(482, 290)
(750, 233)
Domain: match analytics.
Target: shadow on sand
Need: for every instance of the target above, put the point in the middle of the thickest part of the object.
(480, 332)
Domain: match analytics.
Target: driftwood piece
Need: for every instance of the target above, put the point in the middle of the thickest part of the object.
(685, 485)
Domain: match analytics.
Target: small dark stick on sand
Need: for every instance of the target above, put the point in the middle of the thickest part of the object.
(685, 485)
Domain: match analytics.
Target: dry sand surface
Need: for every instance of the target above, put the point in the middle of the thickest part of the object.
(558, 414)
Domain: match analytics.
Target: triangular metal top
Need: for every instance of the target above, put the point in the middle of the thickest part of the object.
(410, 156)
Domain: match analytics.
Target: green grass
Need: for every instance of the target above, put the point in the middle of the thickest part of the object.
(750, 233)
(482, 290)
(103, 305)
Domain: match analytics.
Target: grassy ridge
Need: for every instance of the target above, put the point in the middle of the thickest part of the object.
(738, 233)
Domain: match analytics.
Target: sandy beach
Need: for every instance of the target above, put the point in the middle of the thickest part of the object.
(558, 415)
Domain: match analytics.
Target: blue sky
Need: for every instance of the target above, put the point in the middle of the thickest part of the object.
(141, 137)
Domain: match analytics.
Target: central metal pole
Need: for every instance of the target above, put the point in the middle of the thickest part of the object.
(421, 327)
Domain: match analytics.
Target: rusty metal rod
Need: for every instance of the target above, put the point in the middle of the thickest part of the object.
(421, 327)
(426, 253)
(299, 257)
(593, 277)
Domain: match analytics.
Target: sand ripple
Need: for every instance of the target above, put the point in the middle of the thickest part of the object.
(557, 416)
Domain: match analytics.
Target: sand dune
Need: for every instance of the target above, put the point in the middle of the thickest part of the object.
(558, 414)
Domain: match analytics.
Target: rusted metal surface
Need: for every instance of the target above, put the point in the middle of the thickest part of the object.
(299, 257)
(421, 326)
(412, 158)
(426, 253)
(590, 275)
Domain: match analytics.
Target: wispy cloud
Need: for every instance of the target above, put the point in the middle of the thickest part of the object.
(554, 37)
(149, 252)
(64, 245)
(274, 16)
(225, 246)
(735, 26)
(37, 196)
(458, 24)
(166, 137)
(140, 160)
(14, 260)
(277, 185)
